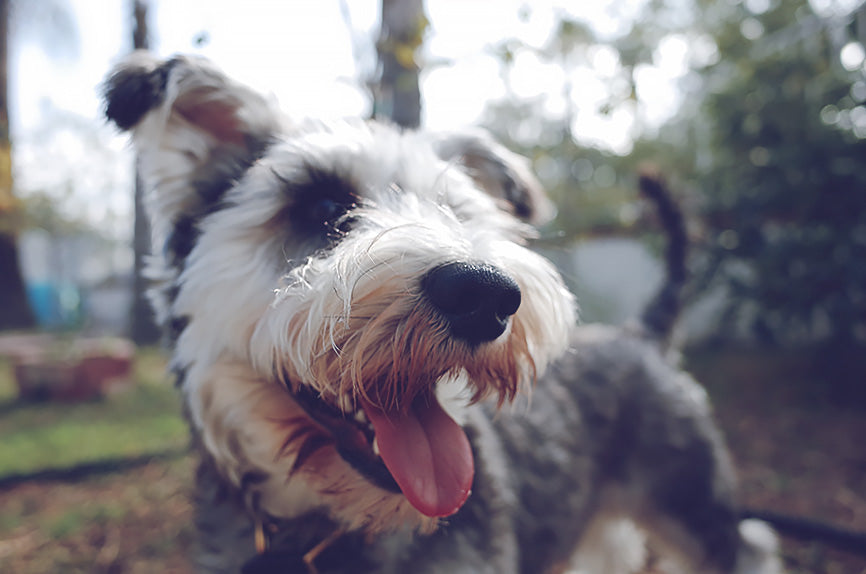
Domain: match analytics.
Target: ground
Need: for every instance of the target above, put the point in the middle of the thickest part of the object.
(796, 454)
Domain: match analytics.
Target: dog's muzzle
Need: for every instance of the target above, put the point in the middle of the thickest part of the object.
(475, 299)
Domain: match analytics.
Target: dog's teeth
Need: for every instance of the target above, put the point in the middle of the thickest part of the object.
(361, 417)
(345, 404)
(376, 446)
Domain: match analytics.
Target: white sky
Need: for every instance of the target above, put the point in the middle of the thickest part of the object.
(301, 52)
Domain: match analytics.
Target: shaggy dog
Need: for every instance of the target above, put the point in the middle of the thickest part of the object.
(356, 324)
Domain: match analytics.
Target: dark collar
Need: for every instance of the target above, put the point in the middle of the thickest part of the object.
(308, 544)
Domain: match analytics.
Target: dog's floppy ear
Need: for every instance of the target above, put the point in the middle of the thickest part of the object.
(186, 117)
(498, 171)
(185, 90)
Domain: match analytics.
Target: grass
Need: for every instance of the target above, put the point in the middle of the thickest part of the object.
(141, 419)
(136, 521)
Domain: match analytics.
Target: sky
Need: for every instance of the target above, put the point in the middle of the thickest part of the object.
(304, 52)
(308, 54)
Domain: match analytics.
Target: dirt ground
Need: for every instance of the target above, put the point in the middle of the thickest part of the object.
(795, 454)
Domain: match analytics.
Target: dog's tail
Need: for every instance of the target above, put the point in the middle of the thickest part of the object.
(661, 314)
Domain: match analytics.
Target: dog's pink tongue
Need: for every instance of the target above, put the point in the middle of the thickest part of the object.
(428, 455)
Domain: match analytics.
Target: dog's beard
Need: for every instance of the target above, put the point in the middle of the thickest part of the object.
(354, 329)
(386, 360)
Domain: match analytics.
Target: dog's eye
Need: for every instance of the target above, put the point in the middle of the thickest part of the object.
(320, 214)
(318, 206)
(325, 210)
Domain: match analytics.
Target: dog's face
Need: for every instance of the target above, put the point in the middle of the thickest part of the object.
(345, 273)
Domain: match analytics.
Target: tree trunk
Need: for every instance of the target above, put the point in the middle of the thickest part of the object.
(15, 311)
(143, 329)
(398, 96)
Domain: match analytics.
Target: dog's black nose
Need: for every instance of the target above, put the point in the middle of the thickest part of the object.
(475, 298)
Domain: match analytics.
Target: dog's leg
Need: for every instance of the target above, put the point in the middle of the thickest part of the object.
(225, 531)
(659, 459)
(610, 546)
(680, 486)
(711, 540)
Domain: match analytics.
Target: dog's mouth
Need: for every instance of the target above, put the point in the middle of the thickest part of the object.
(420, 452)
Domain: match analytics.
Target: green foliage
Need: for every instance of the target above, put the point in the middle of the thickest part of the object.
(785, 190)
(587, 184)
(768, 144)
(594, 188)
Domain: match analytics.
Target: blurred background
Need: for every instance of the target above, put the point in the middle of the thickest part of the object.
(754, 111)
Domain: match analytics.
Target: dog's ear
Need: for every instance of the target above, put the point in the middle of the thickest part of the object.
(185, 91)
(186, 117)
(500, 172)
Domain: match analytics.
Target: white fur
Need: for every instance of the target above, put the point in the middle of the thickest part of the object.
(760, 553)
(610, 546)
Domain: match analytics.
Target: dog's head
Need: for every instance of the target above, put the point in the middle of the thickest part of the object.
(355, 267)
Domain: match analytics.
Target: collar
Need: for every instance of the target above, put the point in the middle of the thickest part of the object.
(309, 544)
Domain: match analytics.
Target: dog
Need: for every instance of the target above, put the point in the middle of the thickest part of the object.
(381, 376)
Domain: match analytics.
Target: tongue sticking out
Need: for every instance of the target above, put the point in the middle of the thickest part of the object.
(427, 453)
